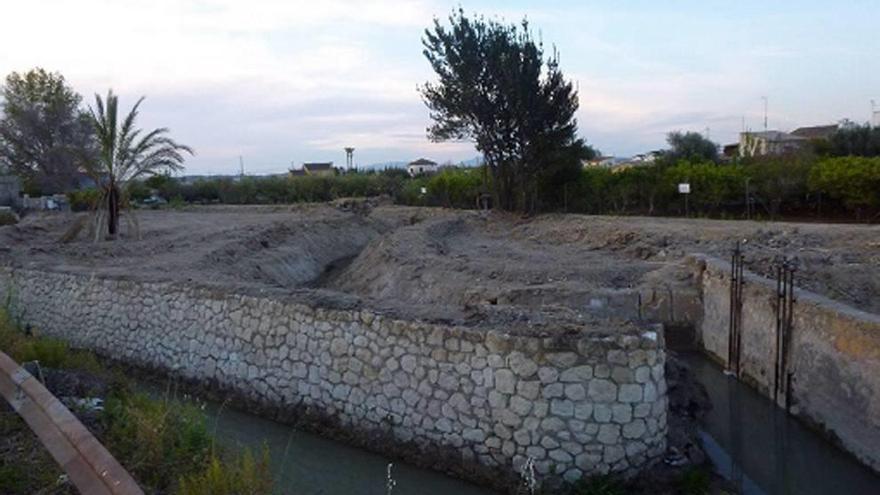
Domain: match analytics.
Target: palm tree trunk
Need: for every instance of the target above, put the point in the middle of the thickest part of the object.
(113, 211)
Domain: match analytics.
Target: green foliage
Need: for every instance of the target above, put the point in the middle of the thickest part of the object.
(599, 485)
(176, 203)
(694, 481)
(711, 185)
(44, 136)
(51, 353)
(242, 476)
(160, 441)
(83, 200)
(778, 185)
(496, 87)
(137, 191)
(12, 479)
(27, 467)
(7, 218)
(164, 443)
(853, 140)
(853, 180)
(690, 147)
(457, 188)
(126, 154)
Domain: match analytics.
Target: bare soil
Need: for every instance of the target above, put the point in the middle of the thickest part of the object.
(436, 263)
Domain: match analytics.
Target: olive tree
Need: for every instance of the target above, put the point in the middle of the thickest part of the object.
(43, 133)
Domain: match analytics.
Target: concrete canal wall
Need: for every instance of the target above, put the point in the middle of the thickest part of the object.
(833, 355)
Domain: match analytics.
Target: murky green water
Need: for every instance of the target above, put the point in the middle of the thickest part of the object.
(765, 451)
(307, 464)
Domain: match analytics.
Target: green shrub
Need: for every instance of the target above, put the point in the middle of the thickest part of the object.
(242, 476)
(160, 441)
(599, 485)
(83, 200)
(855, 181)
(7, 218)
(694, 481)
(51, 353)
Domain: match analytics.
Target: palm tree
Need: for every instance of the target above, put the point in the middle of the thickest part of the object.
(126, 153)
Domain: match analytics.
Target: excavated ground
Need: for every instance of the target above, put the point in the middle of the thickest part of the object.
(439, 264)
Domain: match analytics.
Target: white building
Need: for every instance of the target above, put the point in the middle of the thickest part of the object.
(422, 166)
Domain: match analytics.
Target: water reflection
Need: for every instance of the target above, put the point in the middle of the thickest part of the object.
(307, 464)
(755, 444)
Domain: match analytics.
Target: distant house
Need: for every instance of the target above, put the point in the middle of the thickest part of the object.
(730, 151)
(422, 166)
(821, 132)
(599, 161)
(612, 162)
(319, 169)
(769, 143)
(646, 158)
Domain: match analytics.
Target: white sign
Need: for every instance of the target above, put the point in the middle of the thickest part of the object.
(424, 190)
(684, 188)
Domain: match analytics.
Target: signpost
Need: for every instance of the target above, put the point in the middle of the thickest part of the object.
(684, 188)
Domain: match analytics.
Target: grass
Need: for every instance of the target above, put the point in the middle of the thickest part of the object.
(163, 442)
(599, 485)
(694, 481)
(25, 465)
(7, 218)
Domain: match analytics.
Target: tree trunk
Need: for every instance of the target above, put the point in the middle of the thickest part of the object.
(113, 211)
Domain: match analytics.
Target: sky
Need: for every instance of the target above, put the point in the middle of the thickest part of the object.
(281, 82)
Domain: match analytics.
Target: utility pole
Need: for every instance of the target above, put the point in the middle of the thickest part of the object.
(707, 132)
(240, 166)
(873, 113)
(765, 111)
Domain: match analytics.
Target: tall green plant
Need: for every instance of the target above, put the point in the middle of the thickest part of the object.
(126, 153)
(496, 87)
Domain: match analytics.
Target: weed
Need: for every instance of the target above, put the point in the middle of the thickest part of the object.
(159, 440)
(7, 218)
(243, 475)
(599, 485)
(51, 353)
(694, 481)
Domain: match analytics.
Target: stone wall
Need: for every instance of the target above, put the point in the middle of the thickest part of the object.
(834, 355)
(588, 403)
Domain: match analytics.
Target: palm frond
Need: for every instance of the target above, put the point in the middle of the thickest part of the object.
(127, 152)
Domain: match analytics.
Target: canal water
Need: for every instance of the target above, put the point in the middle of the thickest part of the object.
(307, 464)
(752, 442)
(766, 452)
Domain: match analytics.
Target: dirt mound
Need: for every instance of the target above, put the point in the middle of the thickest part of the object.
(292, 254)
(441, 263)
(467, 261)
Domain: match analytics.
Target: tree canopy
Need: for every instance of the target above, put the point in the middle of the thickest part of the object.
(44, 135)
(689, 146)
(497, 89)
(854, 140)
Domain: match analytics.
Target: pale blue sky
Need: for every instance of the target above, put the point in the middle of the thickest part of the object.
(281, 81)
